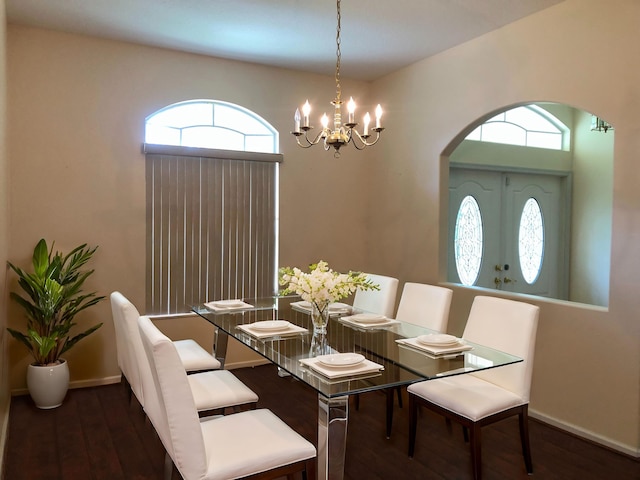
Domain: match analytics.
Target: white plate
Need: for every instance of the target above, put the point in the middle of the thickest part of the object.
(341, 359)
(438, 339)
(333, 307)
(270, 325)
(304, 304)
(228, 303)
(368, 318)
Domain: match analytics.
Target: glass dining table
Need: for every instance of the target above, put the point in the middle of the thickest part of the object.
(387, 353)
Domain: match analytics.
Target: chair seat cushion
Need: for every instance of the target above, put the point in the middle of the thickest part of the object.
(250, 442)
(219, 389)
(194, 357)
(466, 395)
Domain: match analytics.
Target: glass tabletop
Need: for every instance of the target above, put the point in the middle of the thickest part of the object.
(392, 354)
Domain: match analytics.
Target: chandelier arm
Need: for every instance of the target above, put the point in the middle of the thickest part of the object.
(364, 138)
(309, 143)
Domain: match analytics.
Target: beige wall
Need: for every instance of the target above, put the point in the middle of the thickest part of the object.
(76, 113)
(4, 243)
(587, 366)
(591, 221)
(76, 107)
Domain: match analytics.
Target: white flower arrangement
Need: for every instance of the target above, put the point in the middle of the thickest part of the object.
(322, 286)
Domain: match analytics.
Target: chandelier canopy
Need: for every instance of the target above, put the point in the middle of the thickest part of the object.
(341, 133)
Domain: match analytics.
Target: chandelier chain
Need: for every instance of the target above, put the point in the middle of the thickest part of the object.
(338, 56)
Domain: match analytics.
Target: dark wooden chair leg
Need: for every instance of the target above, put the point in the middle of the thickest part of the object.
(413, 424)
(523, 418)
(168, 467)
(389, 392)
(310, 470)
(476, 451)
(127, 386)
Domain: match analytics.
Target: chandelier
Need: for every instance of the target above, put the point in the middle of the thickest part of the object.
(341, 133)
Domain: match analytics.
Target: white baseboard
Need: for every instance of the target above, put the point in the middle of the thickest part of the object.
(94, 382)
(587, 434)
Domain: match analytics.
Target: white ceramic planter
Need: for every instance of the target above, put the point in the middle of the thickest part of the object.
(48, 385)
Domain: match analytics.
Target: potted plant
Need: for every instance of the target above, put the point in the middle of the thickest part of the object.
(52, 298)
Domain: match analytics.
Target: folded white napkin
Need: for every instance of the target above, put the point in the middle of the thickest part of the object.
(352, 320)
(291, 329)
(366, 366)
(222, 305)
(433, 349)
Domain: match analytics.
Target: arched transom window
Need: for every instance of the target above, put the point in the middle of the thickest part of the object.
(527, 126)
(211, 124)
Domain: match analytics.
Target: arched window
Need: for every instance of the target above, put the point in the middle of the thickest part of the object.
(527, 126)
(212, 203)
(211, 124)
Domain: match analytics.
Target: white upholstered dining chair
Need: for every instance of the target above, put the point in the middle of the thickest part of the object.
(425, 305)
(213, 390)
(487, 396)
(382, 301)
(250, 444)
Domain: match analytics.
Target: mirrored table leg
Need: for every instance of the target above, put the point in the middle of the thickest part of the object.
(333, 416)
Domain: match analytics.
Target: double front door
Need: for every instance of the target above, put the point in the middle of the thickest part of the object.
(508, 231)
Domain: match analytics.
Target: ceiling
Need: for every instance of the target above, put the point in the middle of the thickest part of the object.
(378, 36)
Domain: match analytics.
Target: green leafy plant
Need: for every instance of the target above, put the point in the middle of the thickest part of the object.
(53, 297)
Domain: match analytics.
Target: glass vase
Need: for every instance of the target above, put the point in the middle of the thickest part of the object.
(320, 317)
(319, 345)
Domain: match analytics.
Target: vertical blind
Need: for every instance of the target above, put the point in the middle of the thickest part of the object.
(211, 228)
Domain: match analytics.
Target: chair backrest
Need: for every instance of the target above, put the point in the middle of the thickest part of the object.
(509, 326)
(179, 429)
(125, 320)
(381, 301)
(425, 305)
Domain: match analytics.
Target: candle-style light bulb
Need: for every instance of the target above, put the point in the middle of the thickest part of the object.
(378, 115)
(296, 121)
(306, 110)
(367, 120)
(351, 108)
(324, 120)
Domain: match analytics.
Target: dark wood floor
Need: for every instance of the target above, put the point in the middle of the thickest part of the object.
(97, 434)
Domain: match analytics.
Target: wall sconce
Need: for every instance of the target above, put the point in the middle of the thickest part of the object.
(599, 125)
